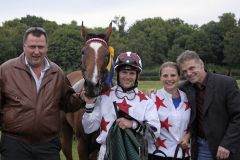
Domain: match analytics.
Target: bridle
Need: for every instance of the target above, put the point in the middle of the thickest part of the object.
(97, 39)
(104, 81)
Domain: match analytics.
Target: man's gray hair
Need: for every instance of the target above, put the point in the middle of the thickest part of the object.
(187, 55)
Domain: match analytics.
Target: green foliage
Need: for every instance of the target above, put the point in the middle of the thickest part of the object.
(11, 39)
(200, 42)
(32, 21)
(231, 48)
(149, 39)
(121, 23)
(154, 39)
(65, 48)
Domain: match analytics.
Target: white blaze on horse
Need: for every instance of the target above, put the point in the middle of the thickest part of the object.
(95, 78)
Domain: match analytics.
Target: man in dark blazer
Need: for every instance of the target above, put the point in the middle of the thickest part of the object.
(215, 116)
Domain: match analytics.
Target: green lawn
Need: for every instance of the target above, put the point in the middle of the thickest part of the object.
(143, 85)
(74, 150)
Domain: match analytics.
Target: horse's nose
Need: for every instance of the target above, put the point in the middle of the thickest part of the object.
(91, 89)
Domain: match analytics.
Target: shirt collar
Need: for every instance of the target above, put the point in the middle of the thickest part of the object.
(46, 64)
(201, 86)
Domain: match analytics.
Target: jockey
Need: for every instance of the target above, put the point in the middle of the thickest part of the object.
(100, 112)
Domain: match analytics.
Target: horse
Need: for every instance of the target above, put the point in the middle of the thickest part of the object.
(95, 77)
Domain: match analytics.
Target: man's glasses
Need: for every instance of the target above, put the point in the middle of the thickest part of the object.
(130, 95)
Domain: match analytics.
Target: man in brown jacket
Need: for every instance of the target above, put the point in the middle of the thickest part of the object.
(33, 91)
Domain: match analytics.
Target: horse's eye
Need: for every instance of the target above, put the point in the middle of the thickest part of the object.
(107, 55)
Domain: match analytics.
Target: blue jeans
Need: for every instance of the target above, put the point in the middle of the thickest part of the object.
(204, 152)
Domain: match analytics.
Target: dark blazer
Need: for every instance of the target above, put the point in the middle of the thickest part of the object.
(221, 114)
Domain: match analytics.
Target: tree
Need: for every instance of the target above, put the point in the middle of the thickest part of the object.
(200, 42)
(65, 48)
(7, 49)
(121, 23)
(232, 49)
(216, 32)
(149, 39)
(11, 34)
(227, 22)
(178, 33)
(175, 29)
(32, 21)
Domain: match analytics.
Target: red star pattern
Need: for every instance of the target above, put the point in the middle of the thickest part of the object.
(186, 151)
(187, 105)
(159, 102)
(160, 142)
(104, 125)
(165, 124)
(141, 95)
(124, 106)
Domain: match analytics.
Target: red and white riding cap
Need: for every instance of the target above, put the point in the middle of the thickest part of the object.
(130, 59)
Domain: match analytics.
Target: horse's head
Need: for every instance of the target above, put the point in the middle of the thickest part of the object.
(95, 58)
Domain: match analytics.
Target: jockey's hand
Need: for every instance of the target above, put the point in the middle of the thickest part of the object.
(88, 100)
(185, 141)
(124, 123)
(222, 153)
(148, 92)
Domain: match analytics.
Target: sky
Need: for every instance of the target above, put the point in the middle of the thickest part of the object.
(99, 13)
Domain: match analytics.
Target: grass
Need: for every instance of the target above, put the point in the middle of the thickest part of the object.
(74, 151)
(143, 85)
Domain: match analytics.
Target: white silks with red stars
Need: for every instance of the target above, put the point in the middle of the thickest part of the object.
(174, 121)
(140, 107)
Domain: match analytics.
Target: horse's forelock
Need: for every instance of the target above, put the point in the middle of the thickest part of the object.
(92, 35)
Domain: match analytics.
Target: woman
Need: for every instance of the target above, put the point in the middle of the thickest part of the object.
(174, 114)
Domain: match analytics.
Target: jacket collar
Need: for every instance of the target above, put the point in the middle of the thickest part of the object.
(209, 92)
(20, 63)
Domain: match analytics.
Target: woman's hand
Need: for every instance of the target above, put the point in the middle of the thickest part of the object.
(148, 92)
(124, 123)
(185, 141)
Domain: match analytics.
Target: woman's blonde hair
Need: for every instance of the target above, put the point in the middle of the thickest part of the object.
(169, 64)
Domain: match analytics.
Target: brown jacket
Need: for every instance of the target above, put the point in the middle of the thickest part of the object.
(30, 116)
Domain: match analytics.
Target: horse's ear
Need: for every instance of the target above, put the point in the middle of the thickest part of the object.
(84, 32)
(108, 32)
